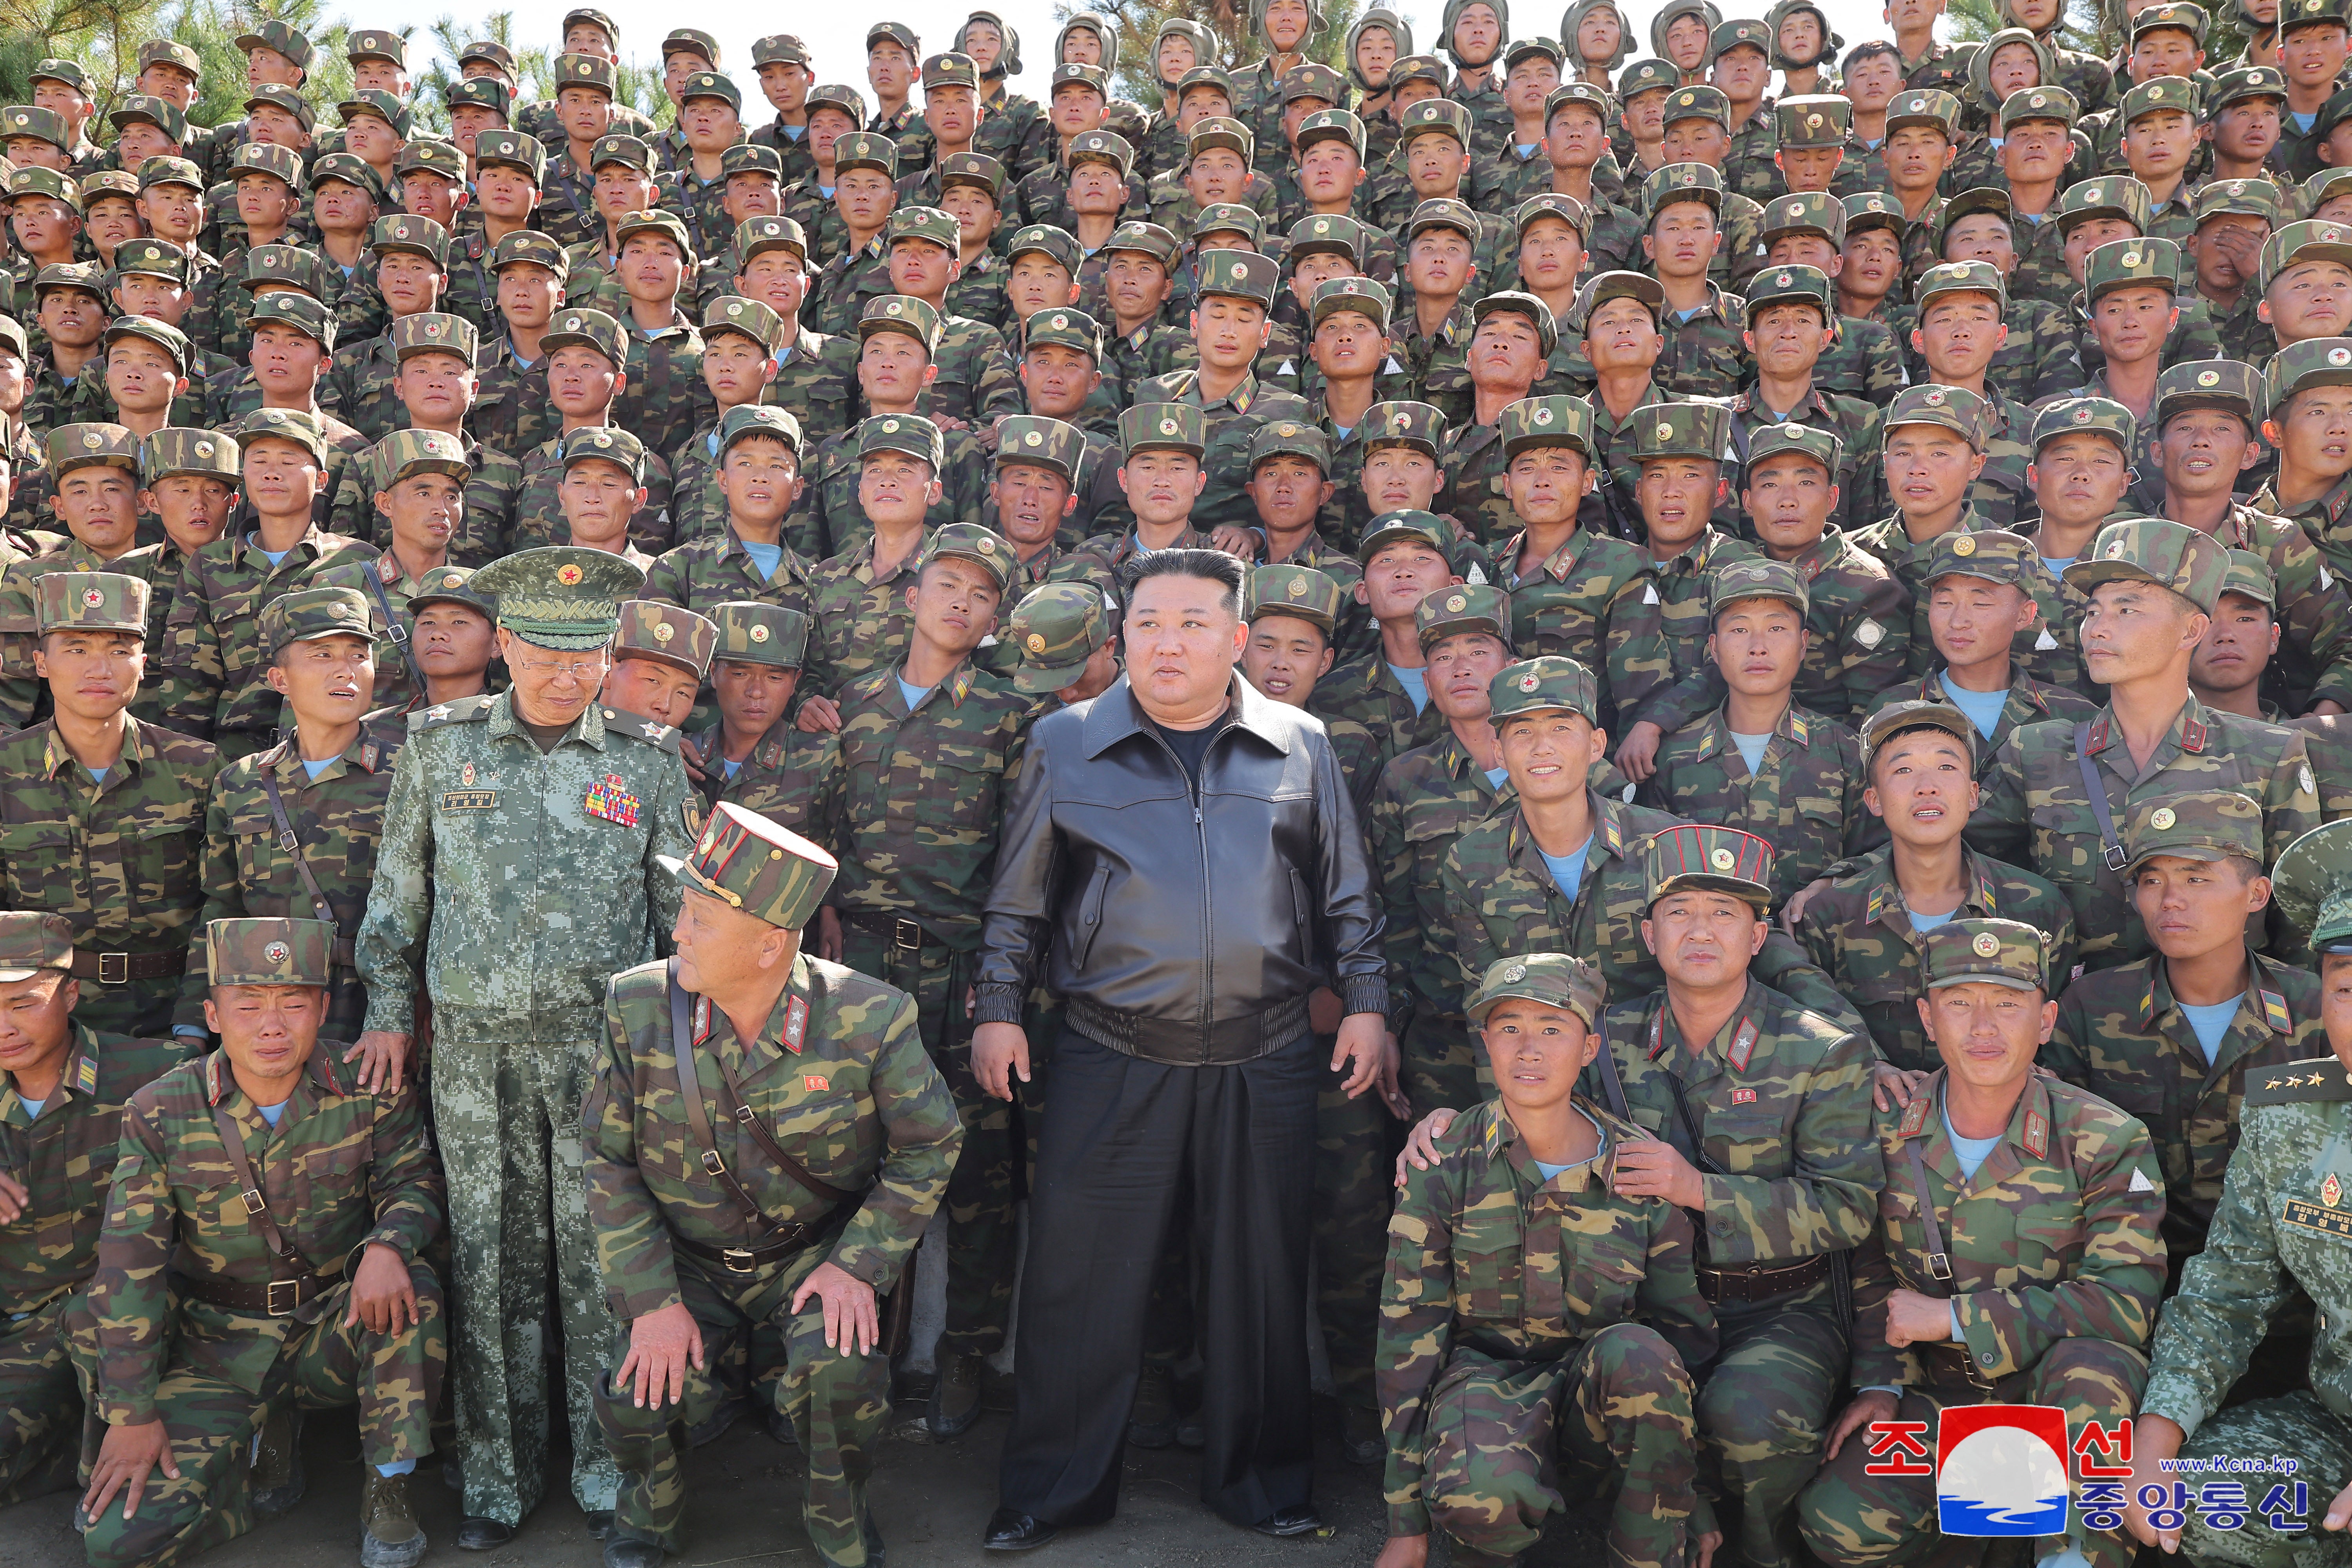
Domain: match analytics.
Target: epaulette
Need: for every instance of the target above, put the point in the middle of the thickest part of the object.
(328, 1066)
(382, 733)
(2313, 1080)
(476, 246)
(636, 727)
(465, 710)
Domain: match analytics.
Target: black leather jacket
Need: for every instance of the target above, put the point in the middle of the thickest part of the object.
(1183, 930)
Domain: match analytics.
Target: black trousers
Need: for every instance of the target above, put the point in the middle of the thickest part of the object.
(1124, 1138)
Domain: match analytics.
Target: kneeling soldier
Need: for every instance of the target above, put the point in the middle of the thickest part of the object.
(792, 1233)
(2016, 1258)
(212, 1322)
(1532, 1311)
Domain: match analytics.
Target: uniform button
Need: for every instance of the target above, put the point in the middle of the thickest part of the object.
(1988, 1358)
(1723, 1227)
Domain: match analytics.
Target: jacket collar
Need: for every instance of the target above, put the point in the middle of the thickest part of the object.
(588, 727)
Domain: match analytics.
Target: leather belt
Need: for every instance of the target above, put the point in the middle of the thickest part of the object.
(120, 968)
(274, 1298)
(1179, 1040)
(1762, 1282)
(897, 930)
(792, 1238)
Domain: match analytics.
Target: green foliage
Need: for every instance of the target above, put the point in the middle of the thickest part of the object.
(1138, 21)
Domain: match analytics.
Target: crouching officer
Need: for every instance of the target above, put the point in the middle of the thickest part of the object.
(1533, 1311)
(216, 1318)
(708, 1223)
(2017, 1258)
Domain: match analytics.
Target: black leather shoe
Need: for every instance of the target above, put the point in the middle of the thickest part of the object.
(1298, 1520)
(780, 1429)
(628, 1552)
(1011, 1530)
(600, 1522)
(482, 1534)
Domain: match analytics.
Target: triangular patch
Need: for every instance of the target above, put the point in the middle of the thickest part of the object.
(2139, 1181)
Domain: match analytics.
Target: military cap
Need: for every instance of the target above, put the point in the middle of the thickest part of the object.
(1463, 607)
(1543, 685)
(2311, 882)
(1313, 79)
(758, 236)
(1068, 326)
(1361, 295)
(760, 419)
(103, 182)
(1818, 442)
(1757, 579)
(619, 147)
(53, 68)
(900, 313)
(595, 17)
(1057, 626)
(35, 123)
(31, 942)
(2295, 14)
(1241, 219)
(586, 70)
(406, 453)
(1897, 718)
(418, 236)
(1300, 592)
(162, 334)
(1290, 439)
(431, 332)
(750, 158)
(2247, 81)
(300, 311)
(1928, 106)
(1404, 423)
(87, 276)
(1990, 952)
(171, 52)
(282, 36)
(1994, 556)
(750, 631)
(1683, 183)
(429, 155)
(295, 425)
(1034, 439)
(72, 447)
(1517, 303)
(925, 224)
(33, 180)
(165, 117)
(306, 614)
(951, 69)
(1553, 979)
(1071, 73)
(257, 950)
(2145, 263)
(668, 224)
(1875, 209)
(383, 105)
(489, 51)
(183, 449)
(1335, 233)
(1417, 68)
(865, 150)
(911, 433)
(2225, 383)
(164, 169)
(1439, 116)
(1551, 204)
(1695, 858)
(1640, 77)
(291, 274)
(375, 44)
(1805, 212)
(529, 245)
(750, 317)
(1331, 125)
(12, 339)
(1101, 147)
(485, 92)
(513, 150)
(836, 95)
(89, 601)
(976, 169)
(1555, 421)
(983, 547)
(2090, 416)
(2029, 103)
(1780, 285)
(151, 259)
(1218, 131)
(1681, 430)
(560, 597)
(1956, 408)
(2251, 198)
(1813, 120)
(1389, 527)
(2189, 18)
(1961, 277)
(1603, 287)
(1058, 245)
(2314, 239)
(1583, 92)
(605, 444)
(780, 49)
(1698, 103)
(2251, 577)
(762, 869)
(2200, 825)
(2159, 93)
(2111, 196)
(1739, 33)
(1442, 211)
(2190, 561)
(1156, 426)
(1241, 274)
(279, 96)
(666, 634)
(710, 84)
(268, 158)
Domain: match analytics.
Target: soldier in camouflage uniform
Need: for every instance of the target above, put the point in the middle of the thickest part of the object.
(735, 372)
(859, 599)
(584, 360)
(861, 270)
(749, 555)
(516, 871)
(1293, 614)
(1682, 448)
(752, 754)
(1862, 358)
(62, 1086)
(1500, 1355)
(1791, 315)
(2046, 1288)
(1705, 352)
(1405, 556)
(892, 375)
(1229, 328)
(2312, 487)
(313, 1295)
(972, 386)
(820, 1216)
(1960, 308)
(435, 384)
(2221, 247)
(360, 386)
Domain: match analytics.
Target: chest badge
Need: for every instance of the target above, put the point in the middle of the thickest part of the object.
(2331, 1191)
(465, 775)
(613, 802)
(816, 1083)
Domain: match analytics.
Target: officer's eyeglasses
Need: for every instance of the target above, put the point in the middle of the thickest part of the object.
(564, 669)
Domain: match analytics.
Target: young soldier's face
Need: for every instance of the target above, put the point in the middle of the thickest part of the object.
(1920, 783)
(1621, 333)
(1788, 337)
(452, 639)
(36, 1022)
(528, 293)
(1462, 668)
(1575, 137)
(1682, 240)
(2158, 145)
(1435, 163)
(1986, 1033)
(975, 212)
(172, 211)
(1400, 478)
(598, 499)
(752, 697)
(2035, 150)
(1030, 500)
(1677, 495)
(892, 367)
(1288, 490)
(1161, 485)
(2192, 907)
(2314, 431)
(2089, 234)
(1760, 646)
(954, 603)
(1546, 484)
(896, 490)
(99, 506)
(2203, 449)
(193, 509)
(762, 478)
(1550, 754)
(1959, 334)
(921, 268)
(1973, 621)
(1551, 255)
(1229, 330)
(1790, 497)
(1537, 1051)
(582, 382)
(285, 360)
(2013, 69)
(1915, 156)
(326, 678)
(423, 510)
(1284, 657)
(651, 266)
(1349, 345)
(735, 368)
(1697, 141)
(91, 674)
(2247, 129)
(2134, 629)
(1929, 468)
(2309, 299)
(2164, 51)
(1036, 280)
(282, 477)
(1439, 262)
(656, 689)
(142, 377)
(2131, 324)
(1058, 379)
(1401, 574)
(2237, 647)
(778, 279)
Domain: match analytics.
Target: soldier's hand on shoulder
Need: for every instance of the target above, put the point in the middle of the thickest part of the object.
(1892, 1087)
(382, 1295)
(1637, 755)
(1653, 1168)
(852, 1311)
(819, 716)
(1794, 910)
(1419, 1149)
(383, 1054)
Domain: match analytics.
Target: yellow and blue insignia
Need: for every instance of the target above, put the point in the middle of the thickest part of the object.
(1797, 730)
(962, 685)
(2037, 1135)
(1494, 1140)
(1612, 835)
(2274, 1012)
(86, 1075)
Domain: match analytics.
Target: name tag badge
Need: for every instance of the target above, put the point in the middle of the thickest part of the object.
(2305, 1216)
(469, 799)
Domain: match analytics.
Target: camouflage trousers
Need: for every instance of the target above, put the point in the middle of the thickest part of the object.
(395, 1379)
(1616, 1416)
(1763, 1406)
(1440, 1063)
(1851, 1519)
(836, 1401)
(41, 1404)
(1354, 1185)
(983, 1231)
(2296, 1426)
(507, 1116)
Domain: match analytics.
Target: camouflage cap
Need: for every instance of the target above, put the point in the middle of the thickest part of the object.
(283, 163)
(839, 96)
(48, 185)
(1331, 125)
(2109, 196)
(375, 44)
(1961, 277)
(1543, 685)
(1805, 212)
(432, 333)
(280, 266)
(12, 339)
(1694, 858)
(1329, 233)
(2164, 93)
(1390, 527)
(2246, 198)
(1759, 579)
(1442, 211)
(419, 236)
(305, 429)
(2088, 415)
(1813, 120)
(489, 51)
(1793, 285)
(1898, 718)
(1698, 103)
(166, 170)
(1301, 591)
(1640, 77)
(2031, 103)
(1556, 421)
(164, 116)
(1058, 245)
(690, 41)
(752, 631)
(1210, 76)
(162, 334)
(2311, 882)
(983, 547)
(1170, 426)
(2200, 825)
(976, 169)
(427, 155)
(1417, 68)
(1603, 287)
(35, 123)
(483, 92)
(1553, 979)
(590, 15)
(2225, 383)
(618, 147)
(1569, 92)
(668, 224)
(2314, 362)
(1820, 442)
(1928, 106)
(900, 313)
(96, 187)
(1464, 608)
(1241, 274)
(1362, 295)
(1401, 423)
(90, 602)
(383, 105)
(865, 150)
(756, 236)
(1739, 33)
(1073, 73)
(1314, 79)
(2314, 239)
(1220, 130)
(712, 84)
(1994, 554)
(72, 447)
(306, 615)
(1434, 116)
(1066, 326)
(922, 223)
(1988, 951)
(151, 259)
(560, 597)
(1290, 439)
(1517, 303)
(752, 319)
(303, 312)
(1551, 204)
(2295, 14)
(951, 69)
(605, 444)
(529, 245)
(780, 49)
(406, 453)
(184, 450)
(32, 941)
(171, 52)
(1034, 439)
(2251, 577)
(750, 158)
(288, 98)
(1233, 217)
(512, 150)
(87, 276)
(666, 634)
(2148, 263)
(1956, 408)
(1057, 626)
(762, 869)
(2189, 18)
(2189, 560)
(587, 329)
(2237, 86)
(760, 419)
(282, 36)
(254, 951)
(1681, 430)
(1682, 183)
(910, 434)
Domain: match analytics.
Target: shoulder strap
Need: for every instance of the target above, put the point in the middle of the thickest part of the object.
(1939, 1262)
(2111, 847)
(256, 1207)
(1613, 1088)
(393, 628)
(291, 842)
(688, 1062)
